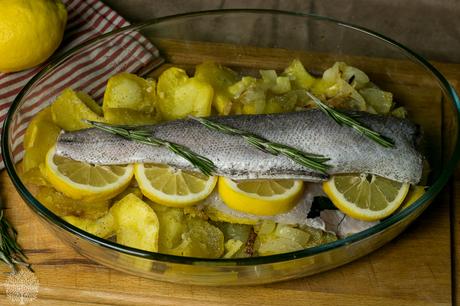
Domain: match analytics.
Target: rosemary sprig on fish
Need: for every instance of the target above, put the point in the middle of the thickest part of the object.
(206, 166)
(308, 131)
(311, 161)
(203, 164)
(342, 118)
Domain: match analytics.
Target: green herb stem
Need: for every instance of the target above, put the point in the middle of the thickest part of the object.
(311, 161)
(205, 165)
(344, 119)
(11, 252)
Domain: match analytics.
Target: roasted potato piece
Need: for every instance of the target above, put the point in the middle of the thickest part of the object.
(103, 227)
(134, 189)
(232, 247)
(241, 86)
(62, 205)
(126, 90)
(186, 235)
(180, 96)
(299, 77)
(338, 86)
(220, 78)
(136, 222)
(234, 231)
(399, 112)
(380, 101)
(201, 239)
(129, 99)
(126, 116)
(236, 237)
(34, 177)
(249, 93)
(273, 238)
(71, 107)
(275, 84)
(40, 136)
(280, 104)
(172, 225)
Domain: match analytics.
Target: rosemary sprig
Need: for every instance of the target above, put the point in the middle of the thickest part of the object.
(344, 119)
(10, 251)
(312, 161)
(205, 165)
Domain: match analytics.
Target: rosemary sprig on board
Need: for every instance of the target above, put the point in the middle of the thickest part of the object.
(312, 161)
(11, 252)
(205, 165)
(344, 119)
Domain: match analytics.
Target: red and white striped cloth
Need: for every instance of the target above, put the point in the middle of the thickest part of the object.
(88, 71)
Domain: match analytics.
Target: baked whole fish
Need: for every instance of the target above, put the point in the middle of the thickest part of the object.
(310, 131)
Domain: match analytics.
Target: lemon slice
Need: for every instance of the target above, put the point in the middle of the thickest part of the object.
(260, 197)
(173, 187)
(365, 197)
(87, 182)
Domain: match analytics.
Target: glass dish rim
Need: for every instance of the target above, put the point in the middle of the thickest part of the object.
(40, 209)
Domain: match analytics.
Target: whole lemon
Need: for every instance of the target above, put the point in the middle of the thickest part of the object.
(30, 31)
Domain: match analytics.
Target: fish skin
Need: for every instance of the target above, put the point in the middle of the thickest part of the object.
(310, 131)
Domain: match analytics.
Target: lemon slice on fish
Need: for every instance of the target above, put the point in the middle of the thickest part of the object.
(364, 196)
(86, 182)
(173, 187)
(260, 197)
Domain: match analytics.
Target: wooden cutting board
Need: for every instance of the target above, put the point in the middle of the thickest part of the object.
(416, 268)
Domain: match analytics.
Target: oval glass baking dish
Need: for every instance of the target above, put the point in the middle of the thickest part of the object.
(243, 39)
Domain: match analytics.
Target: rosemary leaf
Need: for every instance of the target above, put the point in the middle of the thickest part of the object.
(11, 252)
(205, 165)
(347, 120)
(311, 161)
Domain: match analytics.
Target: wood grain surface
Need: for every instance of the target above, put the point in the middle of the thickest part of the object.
(416, 268)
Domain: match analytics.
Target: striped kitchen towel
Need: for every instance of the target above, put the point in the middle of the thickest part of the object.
(89, 70)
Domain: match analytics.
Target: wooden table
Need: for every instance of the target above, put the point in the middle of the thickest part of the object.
(417, 268)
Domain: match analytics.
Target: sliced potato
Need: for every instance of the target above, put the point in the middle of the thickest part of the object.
(278, 245)
(281, 104)
(232, 247)
(275, 238)
(168, 81)
(234, 231)
(298, 75)
(242, 85)
(130, 100)
(134, 189)
(128, 91)
(70, 109)
(137, 223)
(275, 84)
(194, 98)
(186, 235)
(320, 88)
(103, 227)
(253, 98)
(381, 101)
(62, 205)
(353, 76)
(399, 112)
(200, 240)
(180, 96)
(126, 116)
(335, 86)
(220, 78)
(96, 108)
(40, 136)
(34, 177)
(172, 225)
